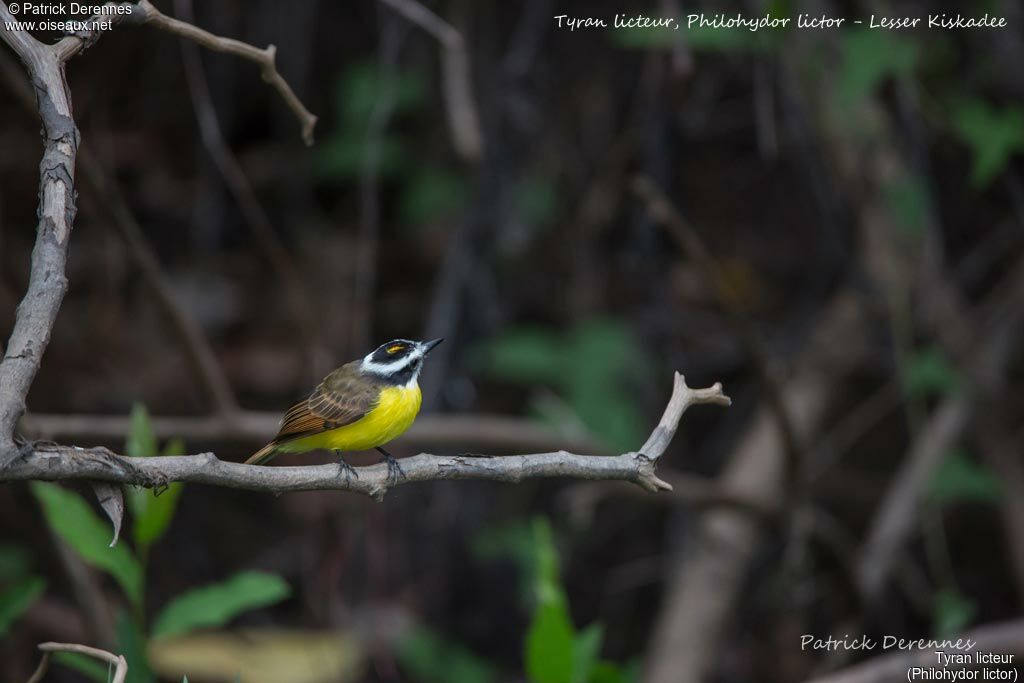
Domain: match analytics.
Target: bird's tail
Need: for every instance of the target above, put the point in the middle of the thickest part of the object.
(263, 455)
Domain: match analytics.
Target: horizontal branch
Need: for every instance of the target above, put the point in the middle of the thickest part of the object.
(54, 462)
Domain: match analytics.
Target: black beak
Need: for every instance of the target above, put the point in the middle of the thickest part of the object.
(428, 346)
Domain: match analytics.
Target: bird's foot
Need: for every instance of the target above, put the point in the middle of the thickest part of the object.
(395, 471)
(347, 470)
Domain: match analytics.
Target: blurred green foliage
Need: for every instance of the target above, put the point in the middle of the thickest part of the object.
(430, 658)
(952, 612)
(71, 518)
(928, 373)
(343, 154)
(217, 604)
(152, 510)
(961, 478)
(91, 668)
(75, 522)
(592, 366)
(910, 202)
(427, 192)
(18, 598)
(19, 586)
(870, 57)
(993, 135)
(554, 651)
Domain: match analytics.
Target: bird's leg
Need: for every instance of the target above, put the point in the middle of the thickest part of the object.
(344, 467)
(395, 471)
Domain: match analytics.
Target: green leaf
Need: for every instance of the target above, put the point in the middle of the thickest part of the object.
(153, 513)
(18, 598)
(71, 518)
(960, 477)
(141, 441)
(871, 57)
(550, 638)
(929, 373)
(430, 658)
(217, 604)
(586, 652)
(951, 613)
(549, 645)
(131, 644)
(85, 665)
(609, 672)
(994, 136)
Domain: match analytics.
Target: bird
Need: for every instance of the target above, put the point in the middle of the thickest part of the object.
(361, 405)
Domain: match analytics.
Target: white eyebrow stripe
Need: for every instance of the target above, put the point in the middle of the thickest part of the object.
(369, 365)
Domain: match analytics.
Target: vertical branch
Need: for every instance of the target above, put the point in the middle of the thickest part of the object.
(47, 282)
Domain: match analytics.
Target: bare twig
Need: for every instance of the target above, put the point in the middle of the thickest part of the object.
(463, 119)
(53, 462)
(692, 244)
(119, 663)
(144, 12)
(267, 238)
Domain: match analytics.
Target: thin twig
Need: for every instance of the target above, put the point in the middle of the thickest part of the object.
(119, 663)
(692, 244)
(54, 462)
(145, 12)
(267, 238)
(463, 119)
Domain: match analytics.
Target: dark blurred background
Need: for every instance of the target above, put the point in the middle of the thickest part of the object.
(830, 222)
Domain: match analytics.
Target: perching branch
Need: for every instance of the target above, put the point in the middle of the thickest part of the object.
(53, 462)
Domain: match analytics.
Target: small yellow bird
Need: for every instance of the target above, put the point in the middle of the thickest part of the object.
(361, 405)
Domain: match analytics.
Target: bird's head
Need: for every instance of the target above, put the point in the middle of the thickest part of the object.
(399, 361)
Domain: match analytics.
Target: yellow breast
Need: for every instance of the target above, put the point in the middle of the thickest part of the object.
(393, 414)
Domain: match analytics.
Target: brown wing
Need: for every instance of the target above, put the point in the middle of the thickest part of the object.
(341, 399)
